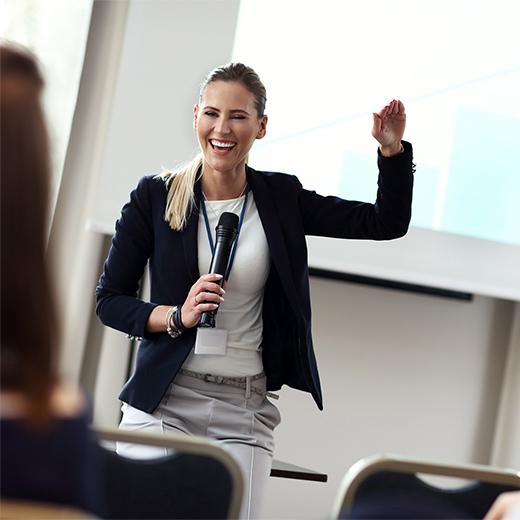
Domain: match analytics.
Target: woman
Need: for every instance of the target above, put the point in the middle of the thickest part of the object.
(264, 310)
(46, 442)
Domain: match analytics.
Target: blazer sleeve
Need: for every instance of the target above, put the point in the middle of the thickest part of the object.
(387, 218)
(117, 304)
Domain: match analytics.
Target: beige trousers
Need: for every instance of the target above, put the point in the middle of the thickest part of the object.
(243, 424)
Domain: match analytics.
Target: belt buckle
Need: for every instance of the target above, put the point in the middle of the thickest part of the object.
(214, 379)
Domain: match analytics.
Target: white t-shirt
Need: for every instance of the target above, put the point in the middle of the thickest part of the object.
(241, 312)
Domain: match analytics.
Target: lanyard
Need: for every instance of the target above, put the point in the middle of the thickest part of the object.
(210, 238)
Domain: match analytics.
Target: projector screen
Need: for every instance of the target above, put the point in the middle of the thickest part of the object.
(456, 66)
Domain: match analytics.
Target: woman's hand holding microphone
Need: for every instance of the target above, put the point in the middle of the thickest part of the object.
(205, 295)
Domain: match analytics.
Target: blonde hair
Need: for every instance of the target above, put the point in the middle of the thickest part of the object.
(181, 197)
(180, 183)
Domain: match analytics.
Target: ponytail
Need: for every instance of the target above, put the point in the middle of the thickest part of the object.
(181, 196)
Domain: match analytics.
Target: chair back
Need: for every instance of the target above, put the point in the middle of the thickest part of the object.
(199, 479)
(387, 486)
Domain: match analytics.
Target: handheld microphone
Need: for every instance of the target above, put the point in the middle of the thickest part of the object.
(226, 234)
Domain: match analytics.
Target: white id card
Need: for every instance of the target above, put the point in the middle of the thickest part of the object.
(211, 341)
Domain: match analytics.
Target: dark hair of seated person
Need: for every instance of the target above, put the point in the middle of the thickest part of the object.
(47, 449)
(29, 330)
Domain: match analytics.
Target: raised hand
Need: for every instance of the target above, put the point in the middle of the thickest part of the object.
(389, 125)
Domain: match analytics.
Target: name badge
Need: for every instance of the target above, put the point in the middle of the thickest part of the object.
(211, 341)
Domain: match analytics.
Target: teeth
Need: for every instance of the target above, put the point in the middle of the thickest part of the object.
(222, 144)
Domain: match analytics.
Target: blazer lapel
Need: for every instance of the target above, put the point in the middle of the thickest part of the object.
(273, 233)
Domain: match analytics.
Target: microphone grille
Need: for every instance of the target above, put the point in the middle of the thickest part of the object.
(228, 220)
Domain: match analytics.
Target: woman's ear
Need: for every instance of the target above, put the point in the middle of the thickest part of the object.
(263, 127)
(195, 114)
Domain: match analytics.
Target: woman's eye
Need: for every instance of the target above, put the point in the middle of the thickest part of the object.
(210, 113)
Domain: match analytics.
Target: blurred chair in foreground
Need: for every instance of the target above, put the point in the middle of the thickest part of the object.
(387, 486)
(198, 480)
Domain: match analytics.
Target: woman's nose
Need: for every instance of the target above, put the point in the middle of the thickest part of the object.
(222, 125)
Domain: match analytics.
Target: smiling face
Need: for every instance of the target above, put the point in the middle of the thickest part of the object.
(227, 124)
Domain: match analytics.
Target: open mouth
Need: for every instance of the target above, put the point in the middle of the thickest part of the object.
(221, 146)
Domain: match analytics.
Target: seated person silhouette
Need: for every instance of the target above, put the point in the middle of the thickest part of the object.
(46, 445)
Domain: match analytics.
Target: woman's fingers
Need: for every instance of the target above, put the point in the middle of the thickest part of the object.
(208, 282)
(212, 278)
(209, 287)
(204, 307)
(207, 293)
(390, 108)
(205, 297)
(394, 107)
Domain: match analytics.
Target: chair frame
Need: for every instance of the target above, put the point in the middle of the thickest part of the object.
(185, 445)
(365, 467)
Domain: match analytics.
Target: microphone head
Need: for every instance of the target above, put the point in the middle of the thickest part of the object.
(228, 220)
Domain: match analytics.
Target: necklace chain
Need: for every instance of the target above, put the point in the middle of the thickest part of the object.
(217, 216)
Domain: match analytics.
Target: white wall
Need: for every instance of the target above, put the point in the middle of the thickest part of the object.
(402, 373)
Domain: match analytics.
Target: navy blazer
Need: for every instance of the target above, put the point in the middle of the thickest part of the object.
(288, 213)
